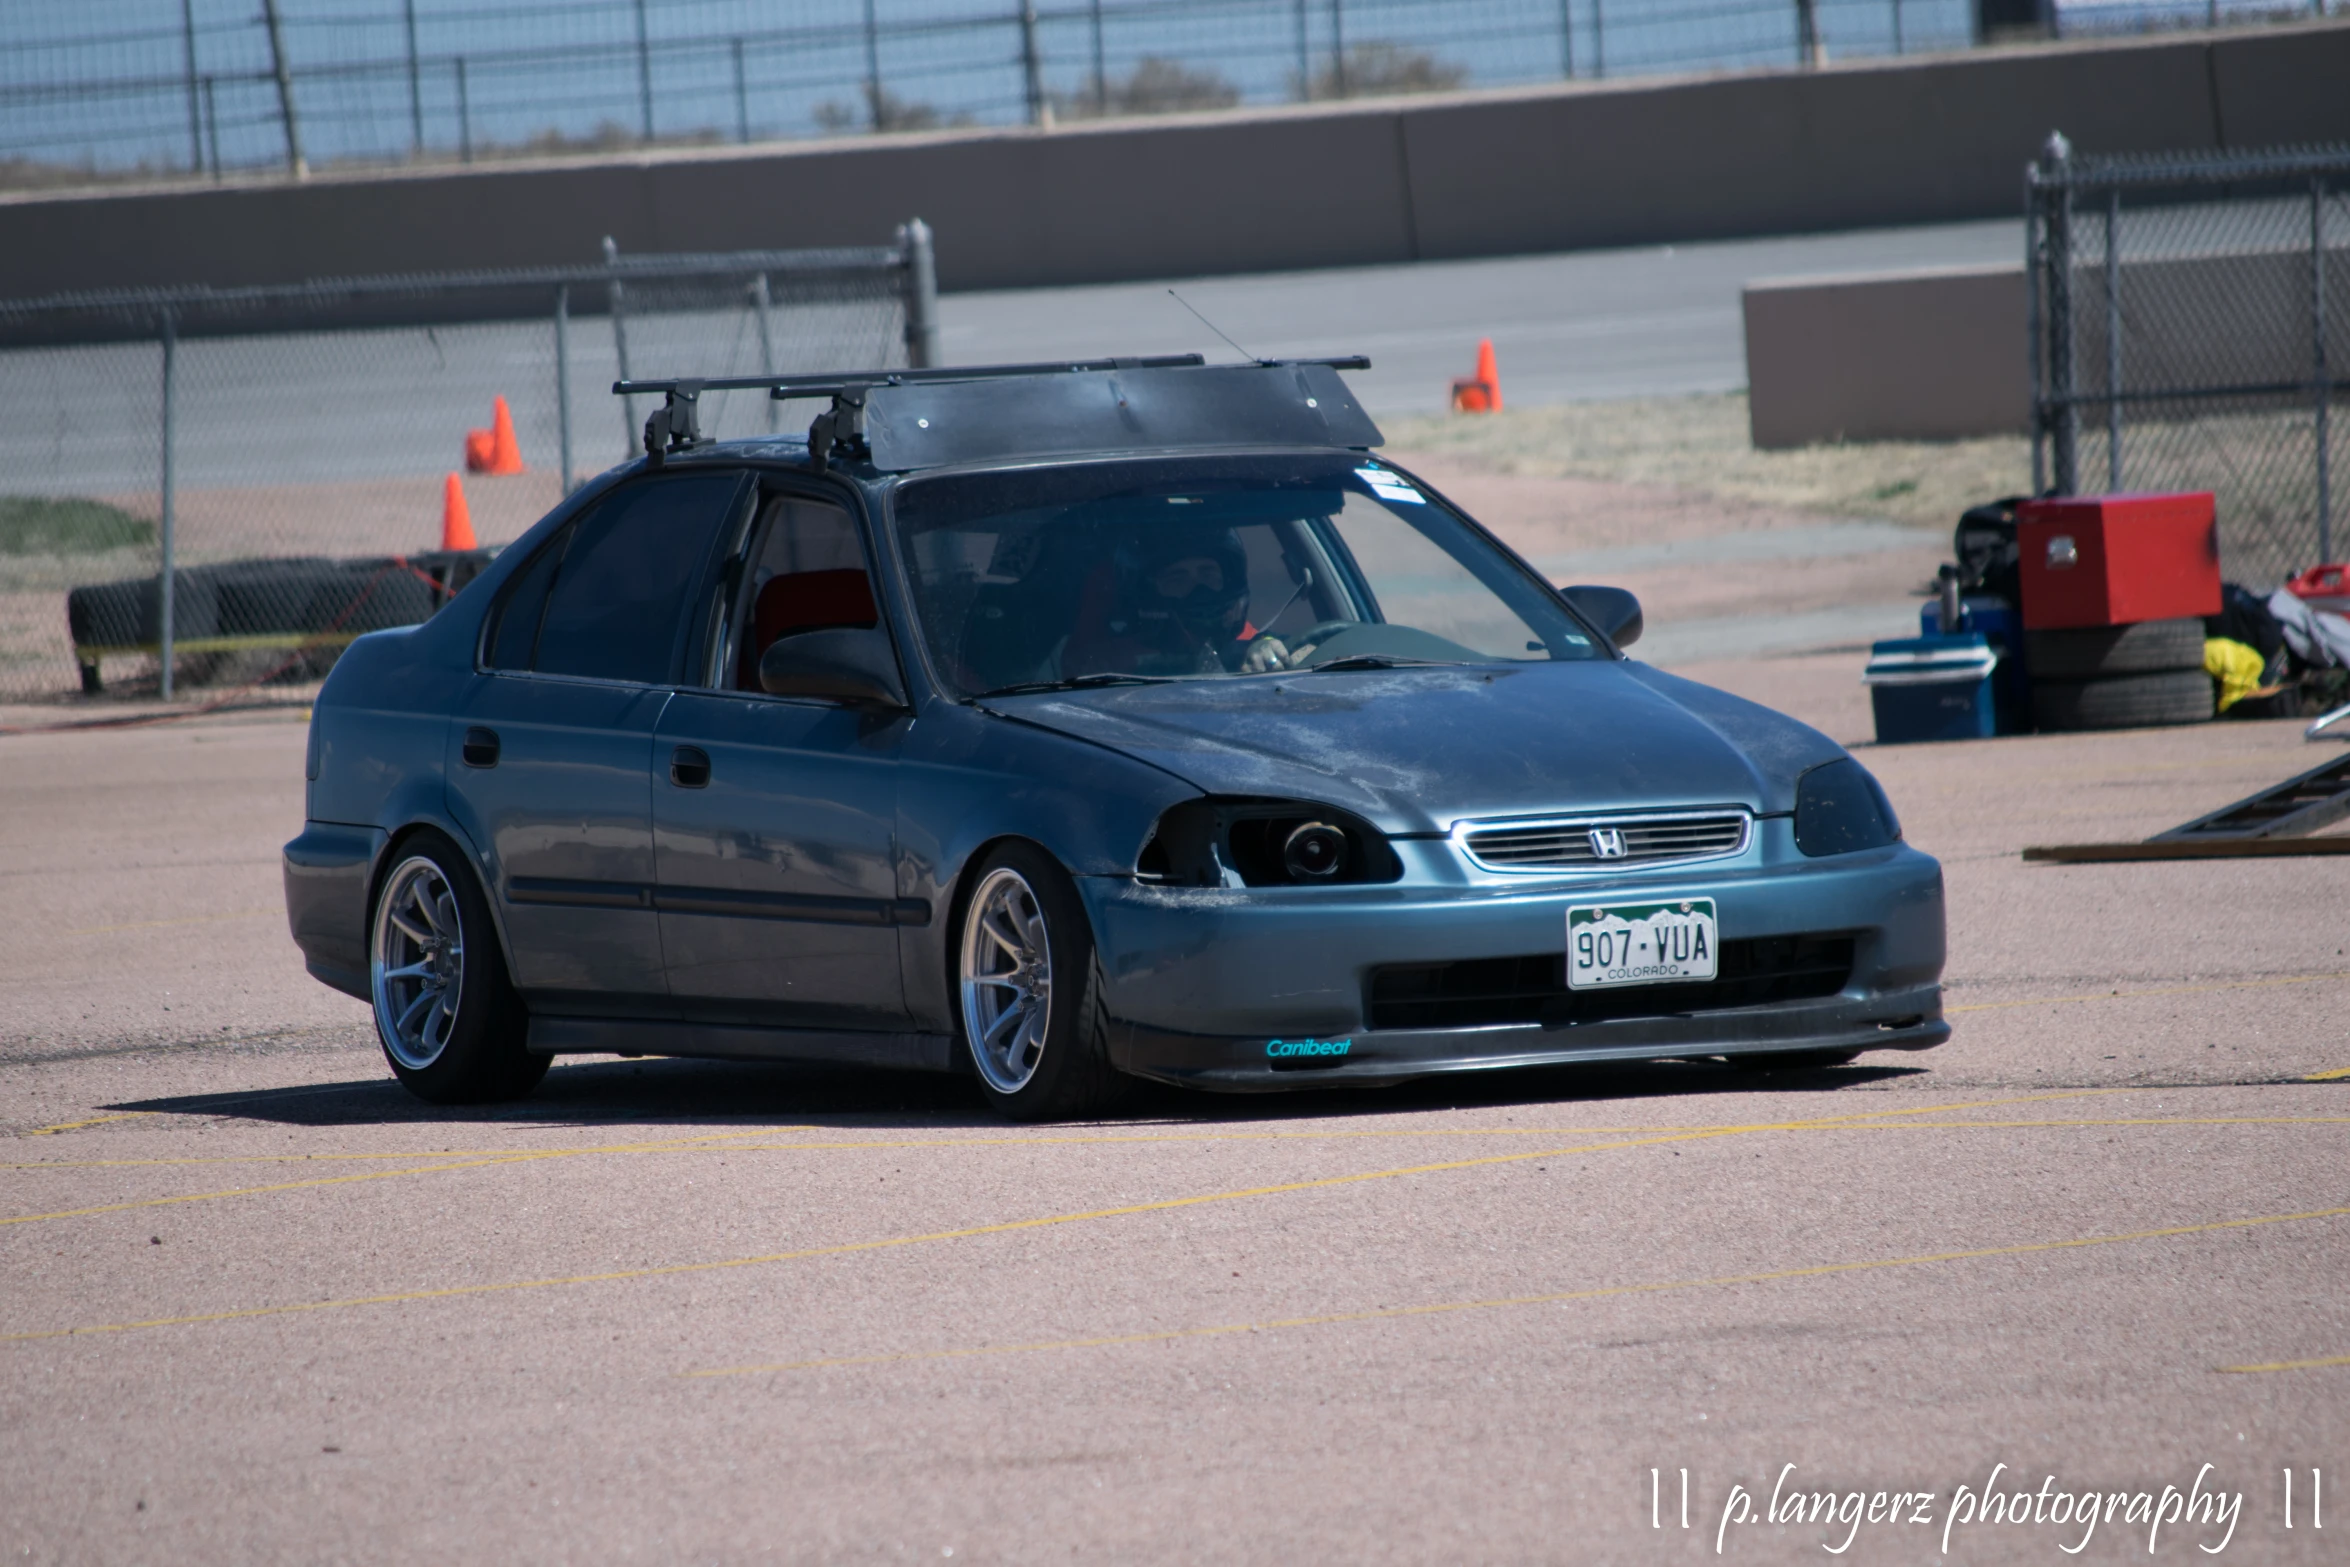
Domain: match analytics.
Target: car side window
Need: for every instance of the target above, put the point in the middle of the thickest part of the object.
(806, 572)
(619, 596)
(514, 632)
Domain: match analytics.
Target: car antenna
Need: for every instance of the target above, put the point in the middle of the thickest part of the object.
(1211, 326)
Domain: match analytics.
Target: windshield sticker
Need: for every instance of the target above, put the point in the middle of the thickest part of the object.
(1391, 486)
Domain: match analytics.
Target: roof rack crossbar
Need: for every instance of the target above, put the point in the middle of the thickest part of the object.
(832, 383)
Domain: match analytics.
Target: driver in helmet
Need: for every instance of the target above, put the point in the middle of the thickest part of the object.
(1181, 609)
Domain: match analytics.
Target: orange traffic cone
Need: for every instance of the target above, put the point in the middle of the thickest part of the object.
(1480, 393)
(494, 451)
(456, 519)
(506, 456)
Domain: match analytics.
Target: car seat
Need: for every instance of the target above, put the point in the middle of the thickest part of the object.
(804, 601)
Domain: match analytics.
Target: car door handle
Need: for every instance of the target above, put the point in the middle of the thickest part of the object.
(481, 748)
(689, 767)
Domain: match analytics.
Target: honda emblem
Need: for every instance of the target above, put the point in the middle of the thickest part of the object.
(1607, 843)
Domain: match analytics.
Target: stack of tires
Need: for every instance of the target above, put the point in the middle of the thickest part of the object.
(2119, 677)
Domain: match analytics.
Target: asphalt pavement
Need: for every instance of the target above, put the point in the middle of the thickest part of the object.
(263, 1307)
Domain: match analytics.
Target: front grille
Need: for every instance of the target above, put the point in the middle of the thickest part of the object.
(1576, 843)
(1481, 992)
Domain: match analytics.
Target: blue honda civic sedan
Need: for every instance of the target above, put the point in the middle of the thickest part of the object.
(1067, 725)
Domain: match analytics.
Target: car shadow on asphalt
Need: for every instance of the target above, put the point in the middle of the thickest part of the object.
(661, 1091)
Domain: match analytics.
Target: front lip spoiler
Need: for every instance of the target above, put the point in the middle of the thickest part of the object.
(1904, 1020)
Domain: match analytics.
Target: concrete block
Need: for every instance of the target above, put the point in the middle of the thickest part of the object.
(1931, 355)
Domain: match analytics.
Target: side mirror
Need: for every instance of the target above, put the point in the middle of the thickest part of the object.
(839, 665)
(1613, 610)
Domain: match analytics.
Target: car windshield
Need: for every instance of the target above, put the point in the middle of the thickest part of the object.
(1210, 568)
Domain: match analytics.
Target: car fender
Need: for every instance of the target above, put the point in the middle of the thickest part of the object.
(972, 779)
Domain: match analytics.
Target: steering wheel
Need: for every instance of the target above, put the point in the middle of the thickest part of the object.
(1313, 636)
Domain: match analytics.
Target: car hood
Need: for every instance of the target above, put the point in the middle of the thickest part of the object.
(1415, 750)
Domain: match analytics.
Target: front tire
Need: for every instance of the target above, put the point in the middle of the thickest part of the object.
(445, 1013)
(1029, 992)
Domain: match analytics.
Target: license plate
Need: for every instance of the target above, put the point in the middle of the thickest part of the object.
(1642, 944)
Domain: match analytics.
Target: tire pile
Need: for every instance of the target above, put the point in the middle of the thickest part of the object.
(2119, 677)
(281, 598)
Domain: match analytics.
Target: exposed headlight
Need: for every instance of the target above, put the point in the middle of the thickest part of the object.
(1264, 843)
(1315, 851)
(1839, 808)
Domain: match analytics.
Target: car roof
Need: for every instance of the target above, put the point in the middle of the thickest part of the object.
(906, 421)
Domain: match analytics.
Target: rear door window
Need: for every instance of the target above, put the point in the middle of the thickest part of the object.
(622, 593)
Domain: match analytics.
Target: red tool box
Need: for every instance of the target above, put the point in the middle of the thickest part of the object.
(2114, 560)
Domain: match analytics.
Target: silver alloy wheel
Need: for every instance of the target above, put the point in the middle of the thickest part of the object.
(1007, 980)
(416, 963)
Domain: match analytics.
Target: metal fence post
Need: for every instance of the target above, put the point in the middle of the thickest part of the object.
(875, 104)
(166, 575)
(644, 69)
(619, 343)
(1598, 39)
(1807, 33)
(1567, 39)
(212, 128)
(2063, 387)
(563, 380)
(2317, 311)
(415, 82)
(2034, 257)
(2113, 342)
(1305, 57)
(1897, 26)
(195, 117)
(299, 165)
(763, 299)
(742, 97)
(464, 115)
(921, 294)
(1101, 69)
(1040, 112)
(1338, 47)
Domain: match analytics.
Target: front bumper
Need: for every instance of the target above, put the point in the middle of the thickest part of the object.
(1216, 988)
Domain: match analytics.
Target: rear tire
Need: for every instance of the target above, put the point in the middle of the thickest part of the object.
(450, 1024)
(2089, 652)
(2182, 696)
(1028, 990)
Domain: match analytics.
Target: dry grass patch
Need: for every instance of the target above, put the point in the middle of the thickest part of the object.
(1700, 443)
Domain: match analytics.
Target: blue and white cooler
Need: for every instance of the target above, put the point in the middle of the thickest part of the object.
(1933, 688)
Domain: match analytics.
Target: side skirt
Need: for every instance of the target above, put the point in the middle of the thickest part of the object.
(555, 1036)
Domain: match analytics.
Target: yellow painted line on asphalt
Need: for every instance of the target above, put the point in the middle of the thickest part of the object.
(2167, 990)
(96, 1120)
(435, 1168)
(2336, 1075)
(2294, 1365)
(191, 919)
(1562, 1297)
(1009, 1226)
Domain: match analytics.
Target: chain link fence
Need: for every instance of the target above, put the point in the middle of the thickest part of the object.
(2191, 331)
(214, 86)
(211, 489)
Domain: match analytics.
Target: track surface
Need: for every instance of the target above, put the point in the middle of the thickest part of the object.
(263, 1307)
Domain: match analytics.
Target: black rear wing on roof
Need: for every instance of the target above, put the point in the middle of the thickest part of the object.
(901, 420)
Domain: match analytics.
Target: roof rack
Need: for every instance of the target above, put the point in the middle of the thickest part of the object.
(839, 431)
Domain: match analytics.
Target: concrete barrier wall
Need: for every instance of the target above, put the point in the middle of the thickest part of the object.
(1457, 175)
(1931, 355)
(1939, 353)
